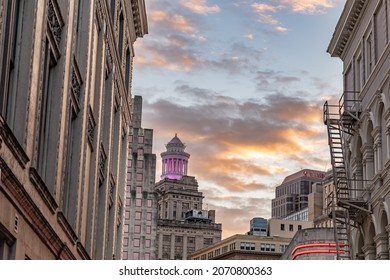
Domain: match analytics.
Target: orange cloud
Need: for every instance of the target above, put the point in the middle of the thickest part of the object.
(200, 6)
(172, 21)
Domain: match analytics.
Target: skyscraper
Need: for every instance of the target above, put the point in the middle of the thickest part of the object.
(183, 225)
(140, 222)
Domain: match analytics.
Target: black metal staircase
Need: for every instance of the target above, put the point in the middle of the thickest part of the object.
(342, 208)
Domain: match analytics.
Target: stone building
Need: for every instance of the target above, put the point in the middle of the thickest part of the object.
(65, 100)
(183, 226)
(140, 222)
(361, 120)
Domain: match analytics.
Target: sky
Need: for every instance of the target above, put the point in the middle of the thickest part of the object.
(242, 83)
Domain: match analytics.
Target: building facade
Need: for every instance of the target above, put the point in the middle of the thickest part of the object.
(140, 210)
(244, 247)
(292, 195)
(65, 99)
(361, 41)
(183, 226)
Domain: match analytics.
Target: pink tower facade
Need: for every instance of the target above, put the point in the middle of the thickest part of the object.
(174, 160)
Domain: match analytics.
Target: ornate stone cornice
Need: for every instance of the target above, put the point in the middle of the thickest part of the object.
(345, 26)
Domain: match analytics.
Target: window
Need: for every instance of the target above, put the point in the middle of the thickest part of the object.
(127, 70)
(149, 203)
(140, 164)
(140, 139)
(148, 229)
(291, 227)
(138, 215)
(147, 243)
(282, 227)
(147, 256)
(136, 242)
(138, 202)
(139, 176)
(121, 35)
(125, 241)
(127, 201)
(127, 215)
(7, 242)
(148, 216)
(126, 228)
(136, 256)
(137, 229)
(299, 227)
(124, 255)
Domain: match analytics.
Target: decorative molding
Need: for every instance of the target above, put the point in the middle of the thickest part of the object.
(76, 84)
(43, 191)
(55, 20)
(91, 127)
(81, 250)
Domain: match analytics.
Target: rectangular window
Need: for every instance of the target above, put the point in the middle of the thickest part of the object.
(299, 227)
(148, 216)
(127, 215)
(291, 227)
(124, 255)
(140, 164)
(148, 229)
(137, 229)
(128, 202)
(136, 242)
(126, 228)
(138, 202)
(149, 203)
(139, 176)
(138, 215)
(147, 243)
(136, 256)
(140, 139)
(140, 152)
(125, 241)
(282, 227)
(147, 256)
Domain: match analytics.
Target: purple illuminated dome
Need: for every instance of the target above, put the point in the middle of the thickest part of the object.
(174, 160)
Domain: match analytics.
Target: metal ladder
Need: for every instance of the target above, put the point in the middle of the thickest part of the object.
(339, 214)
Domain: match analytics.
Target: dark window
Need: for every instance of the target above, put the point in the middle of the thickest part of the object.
(291, 227)
(121, 35)
(282, 227)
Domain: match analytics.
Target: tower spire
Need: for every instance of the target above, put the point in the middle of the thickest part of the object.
(174, 160)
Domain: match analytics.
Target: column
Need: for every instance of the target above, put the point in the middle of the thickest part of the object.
(382, 246)
(369, 251)
(172, 256)
(185, 246)
(160, 246)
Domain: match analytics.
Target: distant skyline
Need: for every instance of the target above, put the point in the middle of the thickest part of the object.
(242, 83)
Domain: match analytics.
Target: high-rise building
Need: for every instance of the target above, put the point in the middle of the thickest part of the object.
(140, 218)
(183, 225)
(65, 98)
(291, 196)
(359, 131)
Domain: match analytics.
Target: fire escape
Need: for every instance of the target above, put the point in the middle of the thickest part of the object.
(344, 208)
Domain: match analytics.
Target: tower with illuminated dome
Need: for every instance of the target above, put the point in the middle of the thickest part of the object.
(183, 226)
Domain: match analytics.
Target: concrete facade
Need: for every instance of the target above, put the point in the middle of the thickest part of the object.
(361, 41)
(183, 225)
(244, 247)
(140, 215)
(65, 100)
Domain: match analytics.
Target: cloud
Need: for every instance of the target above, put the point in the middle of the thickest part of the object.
(200, 7)
(266, 10)
(308, 6)
(239, 144)
(171, 21)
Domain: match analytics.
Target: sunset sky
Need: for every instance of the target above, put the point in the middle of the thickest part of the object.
(242, 83)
